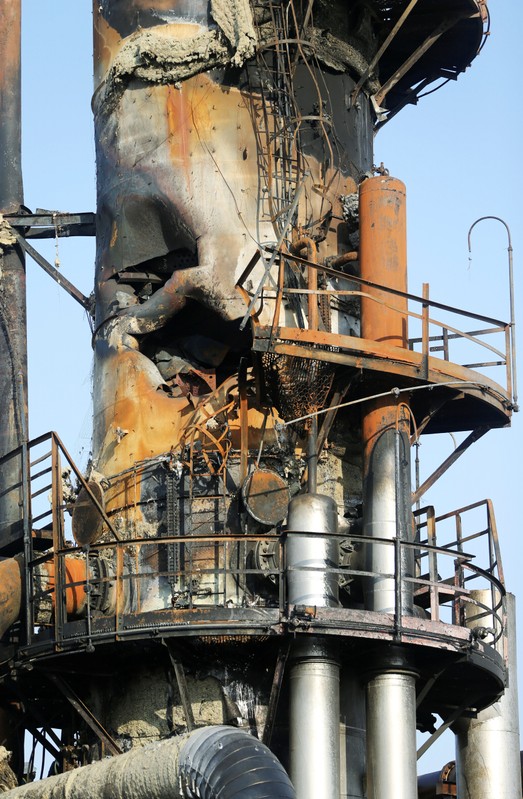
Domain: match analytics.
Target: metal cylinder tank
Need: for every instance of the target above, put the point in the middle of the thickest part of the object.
(391, 736)
(487, 747)
(383, 259)
(314, 721)
(312, 551)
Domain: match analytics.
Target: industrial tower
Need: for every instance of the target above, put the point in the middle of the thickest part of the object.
(243, 596)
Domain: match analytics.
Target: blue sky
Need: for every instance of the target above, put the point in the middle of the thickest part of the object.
(458, 152)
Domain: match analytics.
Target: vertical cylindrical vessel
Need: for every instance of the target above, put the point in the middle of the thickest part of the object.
(13, 347)
(391, 736)
(487, 747)
(315, 672)
(315, 722)
(387, 505)
(383, 259)
(385, 424)
(312, 555)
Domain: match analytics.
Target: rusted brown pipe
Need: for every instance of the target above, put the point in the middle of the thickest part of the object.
(341, 260)
(383, 259)
(11, 592)
(305, 242)
(75, 572)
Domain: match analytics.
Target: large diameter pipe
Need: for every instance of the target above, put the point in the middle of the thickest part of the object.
(383, 259)
(315, 721)
(13, 347)
(208, 762)
(387, 506)
(391, 736)
(487, 747)
(312, 551)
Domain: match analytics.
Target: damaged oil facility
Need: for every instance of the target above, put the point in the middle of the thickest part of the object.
(244, 594)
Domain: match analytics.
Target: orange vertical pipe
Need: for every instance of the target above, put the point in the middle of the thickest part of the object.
(383, 259)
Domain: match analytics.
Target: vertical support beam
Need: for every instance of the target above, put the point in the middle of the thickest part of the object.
(391, 736)
(315, 721)
(487, 747)
(387, 506)
(314, 724)
(385, 423)
(13, 348)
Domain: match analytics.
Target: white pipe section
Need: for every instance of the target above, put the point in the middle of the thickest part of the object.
(391, 736)
(487, 747)
(387, 514)
(315, 723)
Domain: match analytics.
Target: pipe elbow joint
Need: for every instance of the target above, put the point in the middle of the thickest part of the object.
(224, 762)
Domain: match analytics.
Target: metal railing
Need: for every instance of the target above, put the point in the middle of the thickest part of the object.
(145, 586)
(438, 338)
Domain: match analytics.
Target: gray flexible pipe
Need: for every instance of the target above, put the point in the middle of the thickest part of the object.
(226, 762)
(208, 763)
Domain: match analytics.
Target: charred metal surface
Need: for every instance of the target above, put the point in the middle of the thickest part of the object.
(13, 346)
(234, 155)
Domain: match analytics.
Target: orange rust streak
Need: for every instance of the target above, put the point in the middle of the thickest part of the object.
(178, 123)
(106, 43)
(381, 415)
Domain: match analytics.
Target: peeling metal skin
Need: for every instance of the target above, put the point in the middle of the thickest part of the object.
(187, 196)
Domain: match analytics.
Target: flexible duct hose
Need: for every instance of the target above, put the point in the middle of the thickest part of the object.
(225, 762)
(208, 763)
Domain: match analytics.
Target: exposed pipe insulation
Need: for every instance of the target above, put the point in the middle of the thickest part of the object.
(208, 763)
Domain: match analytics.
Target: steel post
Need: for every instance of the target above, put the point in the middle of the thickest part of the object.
(487, 747)
(387, 506)
(315, 721)
(13, 346)
(391, 736)
(315, 672)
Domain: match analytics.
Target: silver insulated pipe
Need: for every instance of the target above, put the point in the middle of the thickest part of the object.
(387, 510)
(312, 551)
(208, 763)
(487, 747)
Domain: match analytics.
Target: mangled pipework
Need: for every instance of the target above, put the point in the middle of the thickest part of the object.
(208, 763)
(178, 100)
